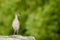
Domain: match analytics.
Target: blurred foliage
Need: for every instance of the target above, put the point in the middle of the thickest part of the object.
(38, 18)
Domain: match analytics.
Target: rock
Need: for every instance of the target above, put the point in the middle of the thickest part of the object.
(17, 37)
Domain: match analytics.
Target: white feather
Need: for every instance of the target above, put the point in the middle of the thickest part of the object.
(15, 23)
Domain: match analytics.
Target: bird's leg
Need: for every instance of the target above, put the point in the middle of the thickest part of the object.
(17, 32)
(14, 32)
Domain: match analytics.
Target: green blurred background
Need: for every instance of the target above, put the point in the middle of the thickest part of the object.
(38, 18)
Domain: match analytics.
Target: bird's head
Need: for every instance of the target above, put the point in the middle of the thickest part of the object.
(17, 14)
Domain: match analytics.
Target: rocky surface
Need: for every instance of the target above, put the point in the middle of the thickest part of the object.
(16, 37)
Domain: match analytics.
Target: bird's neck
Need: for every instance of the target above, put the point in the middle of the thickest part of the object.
(16, 17)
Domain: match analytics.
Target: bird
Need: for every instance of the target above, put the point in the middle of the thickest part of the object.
(15, 23)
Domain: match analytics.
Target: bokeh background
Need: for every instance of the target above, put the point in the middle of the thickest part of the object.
(38, 18)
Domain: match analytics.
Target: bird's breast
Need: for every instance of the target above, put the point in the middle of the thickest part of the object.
(15, 23)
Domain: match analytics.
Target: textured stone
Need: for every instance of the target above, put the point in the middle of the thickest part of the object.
(16, 37)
